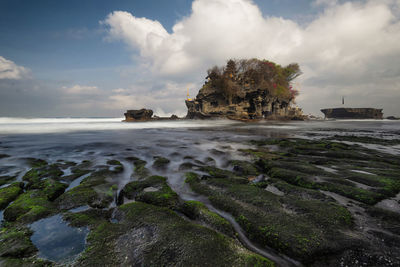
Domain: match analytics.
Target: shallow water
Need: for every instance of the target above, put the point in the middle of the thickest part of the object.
(56, 240)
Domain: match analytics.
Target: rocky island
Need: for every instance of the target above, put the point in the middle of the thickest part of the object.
(143, 114)
(353, 113)
(247, 89)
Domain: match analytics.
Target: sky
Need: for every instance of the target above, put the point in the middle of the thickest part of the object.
(98, 58)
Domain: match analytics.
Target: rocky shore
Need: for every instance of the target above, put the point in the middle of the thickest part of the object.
(316, 202)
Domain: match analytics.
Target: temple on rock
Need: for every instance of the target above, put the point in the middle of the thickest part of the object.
(246, 90)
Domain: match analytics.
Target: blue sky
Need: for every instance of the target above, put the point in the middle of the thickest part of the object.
(71, 59)
(51, 37)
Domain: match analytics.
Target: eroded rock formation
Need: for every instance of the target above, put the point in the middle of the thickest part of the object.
(138, 115)
(246, 90)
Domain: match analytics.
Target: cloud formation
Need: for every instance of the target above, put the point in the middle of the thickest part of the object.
(349, 49)
(10, 70)
(80, 89)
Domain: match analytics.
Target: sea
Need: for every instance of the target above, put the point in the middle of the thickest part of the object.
(101, 139)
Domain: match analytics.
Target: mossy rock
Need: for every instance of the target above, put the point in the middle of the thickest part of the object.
(6, 179)
(389, 220)
(95, 190)
(53, 189)
(9, 193)
(91, 217)
(29, 207)
(36, 163)
(153, 190)
(78, 173)
(268, 219)
(15, 242)
(260, 153)
(117, 166)
(155, 236)
(196, 210)
(244, 168)
(160, 162)
(365, 139)
(140, 169)
(35, 175)
(84, 166)
(25, 262)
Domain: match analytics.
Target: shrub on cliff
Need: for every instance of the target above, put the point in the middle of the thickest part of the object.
(254, 74)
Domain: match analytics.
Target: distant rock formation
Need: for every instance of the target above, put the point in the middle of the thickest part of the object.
(138, 115)
(353, 113)
(392, 118)
(247, 90)
(145, 115)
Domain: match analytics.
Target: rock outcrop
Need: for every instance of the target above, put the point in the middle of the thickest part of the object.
(247, 90)
(353, 113)
(252, 105)
(143, 114)
(138, 115)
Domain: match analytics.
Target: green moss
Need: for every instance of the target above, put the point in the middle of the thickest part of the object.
(257, 261)
(194, 182)
(388, 220)
(359, 194)
(91, 217)
(34, 175)
(260, 153)
(292, 177)
(191, 177)
(6, 179)
(196, 210)
(9, 193)
(29, 207)
(26, 262)
(160, 162)
(36, 163)
(365, 139)
(244, 167)
(118, 167)
(162, 238)
(53, 189)
(163, 196)
(95, 190)
(15, 242)
(139, 167)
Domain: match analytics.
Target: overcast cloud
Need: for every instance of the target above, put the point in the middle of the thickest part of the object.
(350, 49)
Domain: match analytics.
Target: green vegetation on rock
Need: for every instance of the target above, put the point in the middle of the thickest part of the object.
(29, 207)
(153, 190)
(9, 193)
(156, 236)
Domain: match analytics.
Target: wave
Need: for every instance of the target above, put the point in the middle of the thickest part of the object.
(19, 120)
(65, 125)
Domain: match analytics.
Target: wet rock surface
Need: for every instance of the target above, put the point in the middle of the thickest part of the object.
(328, 200)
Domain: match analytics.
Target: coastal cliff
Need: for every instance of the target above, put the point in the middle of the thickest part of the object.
(247, 90)
(353, 113)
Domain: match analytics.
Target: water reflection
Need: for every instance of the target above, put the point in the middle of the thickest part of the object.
(56, 240)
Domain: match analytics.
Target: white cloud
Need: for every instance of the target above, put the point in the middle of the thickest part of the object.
(10, 70)
(119, 90)
(81, 89)
(350, 48)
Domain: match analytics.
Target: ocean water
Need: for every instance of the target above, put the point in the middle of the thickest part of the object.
(183, 141)
(102, 139)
